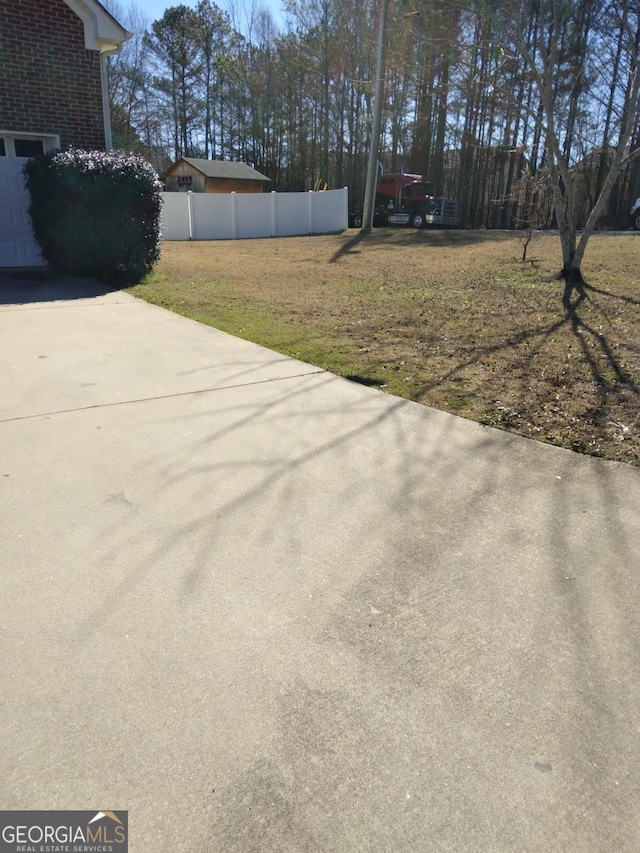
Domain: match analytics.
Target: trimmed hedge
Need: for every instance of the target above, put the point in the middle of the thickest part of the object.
(95, 213)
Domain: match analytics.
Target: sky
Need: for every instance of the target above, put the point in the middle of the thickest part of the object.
(154, 9)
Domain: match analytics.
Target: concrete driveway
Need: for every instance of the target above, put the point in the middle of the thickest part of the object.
(266, 609)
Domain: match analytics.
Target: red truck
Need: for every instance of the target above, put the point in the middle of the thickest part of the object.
(407, 200)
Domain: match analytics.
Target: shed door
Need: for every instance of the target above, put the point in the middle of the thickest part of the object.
(18, 247)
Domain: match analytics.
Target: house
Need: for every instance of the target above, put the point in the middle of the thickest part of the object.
(54, 95)
(213, 176)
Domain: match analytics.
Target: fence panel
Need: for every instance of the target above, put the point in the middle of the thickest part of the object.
(175, 216)
(292, 214)
(330, 211)
(218, 216)
(212, 216)
(254, 215)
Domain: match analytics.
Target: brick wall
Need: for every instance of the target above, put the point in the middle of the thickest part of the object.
(49, 81)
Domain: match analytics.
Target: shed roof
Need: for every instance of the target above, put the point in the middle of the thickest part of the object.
(225, 169)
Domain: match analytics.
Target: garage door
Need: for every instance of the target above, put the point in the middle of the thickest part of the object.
(18, 247)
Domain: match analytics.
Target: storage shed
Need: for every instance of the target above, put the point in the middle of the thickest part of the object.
(213, 176)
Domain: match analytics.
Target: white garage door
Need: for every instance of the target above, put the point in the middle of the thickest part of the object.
(18, 247)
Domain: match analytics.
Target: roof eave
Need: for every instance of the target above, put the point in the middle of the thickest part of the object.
(101, 30)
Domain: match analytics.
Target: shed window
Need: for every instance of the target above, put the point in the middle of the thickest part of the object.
(28, 147)
(3, 150)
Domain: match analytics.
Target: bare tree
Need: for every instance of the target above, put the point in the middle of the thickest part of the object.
(567, 68)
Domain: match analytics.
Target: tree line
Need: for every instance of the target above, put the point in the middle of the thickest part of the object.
(525, 111)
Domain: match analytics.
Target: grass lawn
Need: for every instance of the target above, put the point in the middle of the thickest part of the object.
(450, 319)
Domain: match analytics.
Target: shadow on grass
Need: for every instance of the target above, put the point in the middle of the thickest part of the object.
(432, 238)
(365, 380)
(349, 248)
(611, 384)
(573, 297)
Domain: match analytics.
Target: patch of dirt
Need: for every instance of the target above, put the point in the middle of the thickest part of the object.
(450, 319)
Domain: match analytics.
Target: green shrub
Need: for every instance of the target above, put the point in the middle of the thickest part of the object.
(96, 213)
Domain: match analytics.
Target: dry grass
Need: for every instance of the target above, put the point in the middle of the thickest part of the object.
(453, 320)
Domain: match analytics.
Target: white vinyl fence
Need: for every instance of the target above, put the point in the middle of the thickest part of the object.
(238, 216)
